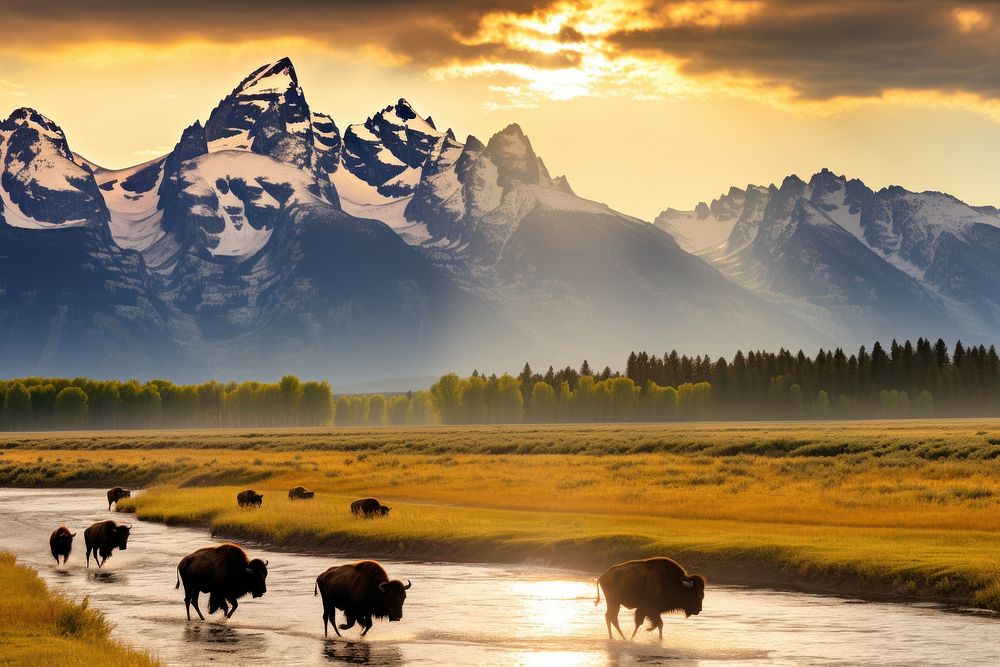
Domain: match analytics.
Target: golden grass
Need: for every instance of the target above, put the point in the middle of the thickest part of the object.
(907, 508)
(40, 628)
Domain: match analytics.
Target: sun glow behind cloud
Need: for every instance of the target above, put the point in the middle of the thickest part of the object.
(579, 32)
(593, 65)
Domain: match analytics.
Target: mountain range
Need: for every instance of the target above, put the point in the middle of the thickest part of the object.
(273, 240)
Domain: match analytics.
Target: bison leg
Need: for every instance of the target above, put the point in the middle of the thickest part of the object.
(640, 616)
(331, 614)
(232, 610)
(350, 622)
(88, 555)
(365, 623)
(611, 617)
(194, 603)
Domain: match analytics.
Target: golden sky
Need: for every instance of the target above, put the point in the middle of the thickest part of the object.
(641, 104)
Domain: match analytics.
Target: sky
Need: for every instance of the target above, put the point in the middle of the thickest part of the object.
(642, 105)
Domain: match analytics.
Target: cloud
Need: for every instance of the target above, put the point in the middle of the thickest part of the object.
(816, 55)
(851, 48)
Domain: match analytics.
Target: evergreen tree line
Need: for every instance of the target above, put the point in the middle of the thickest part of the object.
(906, 380)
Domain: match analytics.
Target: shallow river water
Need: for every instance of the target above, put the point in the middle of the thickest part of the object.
(463, 614)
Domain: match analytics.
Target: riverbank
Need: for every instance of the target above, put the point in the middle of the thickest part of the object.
(875, 510)
(38, 627)
(880, 564)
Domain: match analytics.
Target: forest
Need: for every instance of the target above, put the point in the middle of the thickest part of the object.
(905, 380)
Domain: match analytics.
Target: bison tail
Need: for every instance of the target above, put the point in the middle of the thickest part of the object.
(598, 600)
(178, 579)
(316, 589)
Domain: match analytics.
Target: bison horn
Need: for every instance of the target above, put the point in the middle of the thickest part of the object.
(407, 586)
(688, 583)
(382, 586)
(266, 562)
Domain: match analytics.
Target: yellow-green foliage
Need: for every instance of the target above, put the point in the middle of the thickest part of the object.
(40, 628)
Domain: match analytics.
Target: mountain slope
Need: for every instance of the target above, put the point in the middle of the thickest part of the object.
(859, 262)
(71, 300)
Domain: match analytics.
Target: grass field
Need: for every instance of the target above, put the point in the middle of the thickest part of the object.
(40, 628)
(875, 509)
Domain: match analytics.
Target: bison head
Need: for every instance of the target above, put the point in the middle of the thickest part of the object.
(256, 576)
(126, 494)
(694, 593)
(383, 510)
(393, 595)
(121, 536)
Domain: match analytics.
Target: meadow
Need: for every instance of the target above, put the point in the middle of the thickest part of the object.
(38, 627)
(880, 510)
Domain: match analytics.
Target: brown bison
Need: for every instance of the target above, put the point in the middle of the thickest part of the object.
(368, 508)
(249, 498)
(116, 494)
(104, 537)
(651, 587)
(61, 543)
(362, 591)
(300, 493)
(225, 573)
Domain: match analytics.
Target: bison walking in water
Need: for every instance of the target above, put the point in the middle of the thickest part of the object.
(104, 537)
(225, 573)
(651, 587)
(368, 508)
(61, 543)
(300, 493)
(116, 494)
(249, 498)
(362, 591)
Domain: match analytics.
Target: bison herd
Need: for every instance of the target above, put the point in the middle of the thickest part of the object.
(363, 507)
(363, 591)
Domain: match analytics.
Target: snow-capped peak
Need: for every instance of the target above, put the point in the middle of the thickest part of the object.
(276, 78)
(42, 184)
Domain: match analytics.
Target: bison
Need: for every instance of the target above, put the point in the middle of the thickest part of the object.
(104, 537)
(61, 543)
(651, 587)
(116, 494)
(369, 507)
(362, 591)
(249, 498)
(300, 493)
(225, 573)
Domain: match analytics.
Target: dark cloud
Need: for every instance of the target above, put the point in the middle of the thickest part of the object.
(819, 48)
(851, 47)
(427, 31)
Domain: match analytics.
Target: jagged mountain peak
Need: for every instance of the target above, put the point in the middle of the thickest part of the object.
(276, 77)
(28, 116)
(42, 185)
(472, 143)
(511, 151)
(267, 107)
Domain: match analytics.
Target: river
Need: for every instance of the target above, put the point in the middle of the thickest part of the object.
(463, 614)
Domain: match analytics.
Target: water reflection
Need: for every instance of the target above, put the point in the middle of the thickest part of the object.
(362, 653)
(108, 577)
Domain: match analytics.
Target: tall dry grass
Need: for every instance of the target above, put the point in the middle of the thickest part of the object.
(38, 627)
